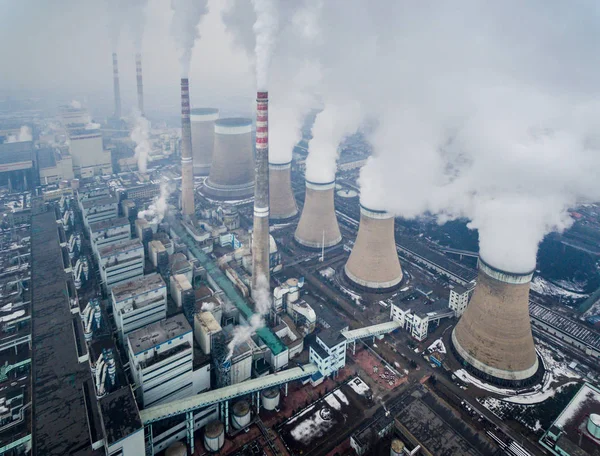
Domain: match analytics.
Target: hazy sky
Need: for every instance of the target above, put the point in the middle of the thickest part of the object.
(66, 44)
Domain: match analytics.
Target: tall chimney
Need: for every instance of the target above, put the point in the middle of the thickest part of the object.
(140, 84)
(232, 169)
(282, 202)
(493, 337)
(187, 167)
(117, 89)
(373, 264)
(260, 232)
(318, 226)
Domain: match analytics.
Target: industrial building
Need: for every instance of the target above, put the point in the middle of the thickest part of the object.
(87, 151)
(121, 262)
(108, 232)
(232, 170)
(17, 171)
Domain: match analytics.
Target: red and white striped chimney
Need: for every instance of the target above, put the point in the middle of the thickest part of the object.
(140, 84)
(187, 167)
(116, 87)
(260, 233)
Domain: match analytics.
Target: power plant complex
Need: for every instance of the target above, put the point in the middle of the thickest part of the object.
(181, 306)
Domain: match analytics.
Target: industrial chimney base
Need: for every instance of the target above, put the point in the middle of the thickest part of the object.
(371, 287)
(485, 373)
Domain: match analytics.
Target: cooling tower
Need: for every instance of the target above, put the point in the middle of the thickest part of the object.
(260, 231)
(140, 83)
(187, 171)
(318, 226)
(116, 87)
(282, 204)
(203, 137)
(373, 264)
(493, 337)
(232, 170)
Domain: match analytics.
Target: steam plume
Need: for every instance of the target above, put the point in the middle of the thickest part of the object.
(158, 209)
(207, 306)
(265, 29)
(262, 300)
(24, 135)
(137, 22)
(140, 134)
(184, 28)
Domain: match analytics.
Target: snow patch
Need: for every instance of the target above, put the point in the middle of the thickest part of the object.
(546, 288)
(359, 387)
(437, 345)
(333, 402)
(342, 397)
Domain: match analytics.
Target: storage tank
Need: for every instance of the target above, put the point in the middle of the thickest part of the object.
(214, 436)
(241, 415)
(397, 448)
(270, 399)
(177, 449)
(593, 425)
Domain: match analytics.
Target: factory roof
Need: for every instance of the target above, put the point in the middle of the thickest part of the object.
(331, 337)
(137, 286)
(182, 282)
(204, 111)
(158, 333)
(110, 223)
(58, 403)
(122, 247)
(233, 122)
(16, 152)
(104, 201)
(120, 415)
(570, 327)
(157, 245)
(319, 350)
(208, 322)
(46, 158)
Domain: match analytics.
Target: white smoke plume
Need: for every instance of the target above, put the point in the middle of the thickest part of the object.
(116, 18)
(24, 135)
(265, 29)
(137, 21)
(207, 307)
(75, 104)
(140, 134)
(184, 28)
(262, 300)
(332, 125)
(157, 211)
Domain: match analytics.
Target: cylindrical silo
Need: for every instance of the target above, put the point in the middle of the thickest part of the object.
(214, 436)
(270, 398)
(373, 264)
(493, 337)
(241, 417)
(397, 448)
(282, 202)
(203, 138)
(318, 226)
(177, 449)
(593, 425)
(232, 170)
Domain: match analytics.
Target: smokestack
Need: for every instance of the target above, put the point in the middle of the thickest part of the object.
(187, 171)
(140, 84)
(493, 337)
(281, 198)
(203, 138)
(373, 264)
(232, 170)
(116, 87)
(260, 232)
(318, 226)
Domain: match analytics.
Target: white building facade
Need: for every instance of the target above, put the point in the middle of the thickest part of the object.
(121, 262)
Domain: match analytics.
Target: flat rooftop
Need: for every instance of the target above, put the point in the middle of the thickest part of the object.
(110, 223)
(122, 247)
(120, 415)
(137, 286)
(208, 322)
(60, 424)
(158, 333)
(104, 201)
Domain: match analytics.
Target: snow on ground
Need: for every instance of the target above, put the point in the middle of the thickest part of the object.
(468, 378)
(359, 386)
(311, 428)
(333, 402)
(342, 397)
(544, 287)
(304, 412)
(574, 286)
(437, 345)
(538, 396)
(594, 310)
(585, 394)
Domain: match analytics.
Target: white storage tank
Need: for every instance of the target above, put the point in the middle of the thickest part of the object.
(593, 425)
(177, 449)
(241, 416)
(214, 436)
(397, 448)
(270, 399)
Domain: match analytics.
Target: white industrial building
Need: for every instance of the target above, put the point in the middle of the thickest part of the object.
(161, 359)
(121, 262)
(180, 286)
(415, 316)
(139, 302)
(328, 352)
(205, 328)
(109, 232)
(97, 210)
(87, 151)
(459, 299)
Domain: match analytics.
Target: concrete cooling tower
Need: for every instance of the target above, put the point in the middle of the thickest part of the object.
(493, 337)
(232, 170)
(318, 226)
(373, 264)
(203, 137)
(283, 204)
